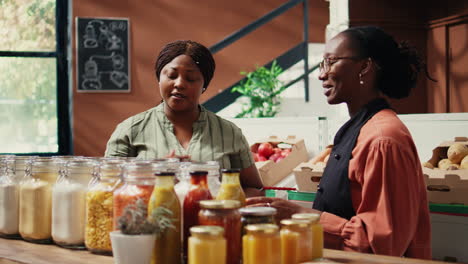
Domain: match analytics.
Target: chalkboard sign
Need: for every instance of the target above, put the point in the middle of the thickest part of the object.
(102, 55)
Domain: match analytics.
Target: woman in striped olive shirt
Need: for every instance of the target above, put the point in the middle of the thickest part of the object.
(180, 126)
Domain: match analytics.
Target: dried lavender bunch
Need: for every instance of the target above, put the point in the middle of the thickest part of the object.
(135, 220)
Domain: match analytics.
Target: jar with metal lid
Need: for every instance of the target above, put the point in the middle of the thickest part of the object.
(317, 232)
(168, 246)
(9, 198)
(231, 188)
(138, 183)
(213, 177)
(257, 215)
(206, 245)
(99, 206)
(224, 213)
(296, 238)
(35, 199)
(261, 244)
(69, 202)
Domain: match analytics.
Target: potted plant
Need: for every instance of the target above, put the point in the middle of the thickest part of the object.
(134, 241)
(263, 88)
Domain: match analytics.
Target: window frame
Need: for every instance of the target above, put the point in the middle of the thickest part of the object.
(62, 50)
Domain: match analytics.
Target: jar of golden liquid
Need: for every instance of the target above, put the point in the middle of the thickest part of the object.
(261, 244)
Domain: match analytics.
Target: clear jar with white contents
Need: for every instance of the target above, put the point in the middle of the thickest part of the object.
(9, 198)
(69, 202)
(35, 200)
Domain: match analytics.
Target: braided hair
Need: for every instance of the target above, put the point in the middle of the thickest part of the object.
(199, 54)
(399, 64)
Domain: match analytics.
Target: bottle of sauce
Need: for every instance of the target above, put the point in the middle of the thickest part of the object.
(231, 188)
(198, 191)
(261, 244)
(207, 245)
(317, 233)
(224, 213)
(296, 238)
(168, 246)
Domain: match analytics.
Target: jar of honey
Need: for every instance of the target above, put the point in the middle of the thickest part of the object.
(317, 232)
(224, 213)
(296, 238)
(207, 245)
(261, 244)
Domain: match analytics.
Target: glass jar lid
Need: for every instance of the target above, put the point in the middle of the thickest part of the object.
(220, 204)
(311, 217)
(295, 223)
(207, 230)
(231, 170)
(262, 228)
(258, 211)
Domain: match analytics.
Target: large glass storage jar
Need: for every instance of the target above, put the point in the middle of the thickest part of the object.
(224, 213)
(9, 198)
(35, 220)
(138, 183)
(69, 202)
(21, 166)
(261, 244)
(183, 181)
(99, 206)
(207, 245)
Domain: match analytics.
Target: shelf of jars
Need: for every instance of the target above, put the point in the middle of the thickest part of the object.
(68, 209)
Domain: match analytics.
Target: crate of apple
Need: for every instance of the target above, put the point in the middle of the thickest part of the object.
(270, 151)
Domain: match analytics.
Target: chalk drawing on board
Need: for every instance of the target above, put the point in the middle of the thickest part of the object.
(102, 55)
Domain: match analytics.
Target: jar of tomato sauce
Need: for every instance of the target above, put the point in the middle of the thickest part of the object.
(224, 213)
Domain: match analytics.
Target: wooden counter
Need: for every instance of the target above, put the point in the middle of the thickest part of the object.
(19, 252)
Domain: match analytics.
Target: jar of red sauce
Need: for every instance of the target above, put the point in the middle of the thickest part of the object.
(224, 213)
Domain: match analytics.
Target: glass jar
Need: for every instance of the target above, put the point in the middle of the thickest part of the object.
(317, 232)
(207, 245)
(99, 206)
(9, 198)
(261, 244)
(138, 183)
(198, 191)
(22, 166)
(257, 215)
(212, 167)
(69, 202)
(183, 181)
(168, 246)
(224, 213)
(35, 220)
(296, 238)
(231, 188)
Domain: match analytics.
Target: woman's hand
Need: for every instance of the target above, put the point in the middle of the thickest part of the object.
(285, 209)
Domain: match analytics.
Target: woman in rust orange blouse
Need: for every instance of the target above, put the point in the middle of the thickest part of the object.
(372, 195)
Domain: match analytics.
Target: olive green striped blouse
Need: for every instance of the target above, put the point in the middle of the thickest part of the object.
(150, 135)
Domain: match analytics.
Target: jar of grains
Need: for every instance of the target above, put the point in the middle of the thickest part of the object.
(35, 200)
(9, 198)
(99, 206)
(69, 202)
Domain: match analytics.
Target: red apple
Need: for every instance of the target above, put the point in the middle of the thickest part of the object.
(265, 149)
(260, 157)
(275, 157)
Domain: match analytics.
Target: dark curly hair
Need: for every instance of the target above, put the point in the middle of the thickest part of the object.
(399, 63)
(199, 54)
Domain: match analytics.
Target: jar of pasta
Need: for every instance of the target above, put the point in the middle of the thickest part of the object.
(224, 213)
(99, 206)
(69, 202)
(138, 183)
(35, 200)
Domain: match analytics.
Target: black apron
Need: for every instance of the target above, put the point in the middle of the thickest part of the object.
(333, 193)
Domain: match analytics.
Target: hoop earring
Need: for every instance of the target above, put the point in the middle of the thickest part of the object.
(361, 82)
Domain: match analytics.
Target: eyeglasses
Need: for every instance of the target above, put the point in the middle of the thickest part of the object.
(326, 63)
